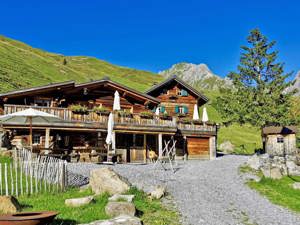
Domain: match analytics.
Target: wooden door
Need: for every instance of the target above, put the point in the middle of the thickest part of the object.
(198, 147)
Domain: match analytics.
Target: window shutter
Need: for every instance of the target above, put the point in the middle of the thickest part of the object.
(162, 109)
(176, 109)
(186, 109)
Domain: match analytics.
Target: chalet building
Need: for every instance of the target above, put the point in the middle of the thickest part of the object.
(84, 110)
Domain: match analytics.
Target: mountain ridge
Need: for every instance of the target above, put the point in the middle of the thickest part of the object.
(197, 75)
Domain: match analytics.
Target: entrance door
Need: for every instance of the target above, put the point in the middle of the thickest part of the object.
(198, 147)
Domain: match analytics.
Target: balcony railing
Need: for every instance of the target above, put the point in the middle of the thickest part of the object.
(132, 120)
(63, 113)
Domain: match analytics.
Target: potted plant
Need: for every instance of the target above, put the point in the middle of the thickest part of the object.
(186, 121)
(79, 109)
(101, 110)
(165, 116)
(125, 114)
(180, 115)
(146, 115)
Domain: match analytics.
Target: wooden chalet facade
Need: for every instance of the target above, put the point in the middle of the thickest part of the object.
(84, 110)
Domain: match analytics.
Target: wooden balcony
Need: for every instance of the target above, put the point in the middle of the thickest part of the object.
(134, 121)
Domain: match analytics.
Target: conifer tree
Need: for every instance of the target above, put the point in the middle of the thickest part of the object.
(259, 95)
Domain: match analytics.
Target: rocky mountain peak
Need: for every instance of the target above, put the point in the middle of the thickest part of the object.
(198, 75)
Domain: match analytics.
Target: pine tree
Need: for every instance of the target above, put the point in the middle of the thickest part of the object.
(259, 95)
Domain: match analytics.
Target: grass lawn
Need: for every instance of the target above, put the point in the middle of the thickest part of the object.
(279, 191)
(245, 138)
(152, 212)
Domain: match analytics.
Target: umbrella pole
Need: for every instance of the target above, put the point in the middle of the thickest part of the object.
(30, 132)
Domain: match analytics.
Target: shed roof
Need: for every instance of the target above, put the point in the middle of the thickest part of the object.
(279, 130)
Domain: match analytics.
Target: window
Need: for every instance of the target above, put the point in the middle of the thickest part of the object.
(183, 92)
(181, 109)
(280, 140)
(36, 139)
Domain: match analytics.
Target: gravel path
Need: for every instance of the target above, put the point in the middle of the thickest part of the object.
(206, 192)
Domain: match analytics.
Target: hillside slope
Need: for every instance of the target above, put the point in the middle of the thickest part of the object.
(24, 66)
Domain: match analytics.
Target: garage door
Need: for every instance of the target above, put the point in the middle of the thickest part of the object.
(198, 147)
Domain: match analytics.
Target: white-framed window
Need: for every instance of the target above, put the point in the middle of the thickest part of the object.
(36, 139)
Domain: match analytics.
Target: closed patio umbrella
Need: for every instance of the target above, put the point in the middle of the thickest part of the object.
(29, 116)
(109, 138)
(116, 105)
(204, 115)
(196, 112)
(157, 111)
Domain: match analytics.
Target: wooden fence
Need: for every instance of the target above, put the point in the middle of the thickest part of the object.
(29, 173)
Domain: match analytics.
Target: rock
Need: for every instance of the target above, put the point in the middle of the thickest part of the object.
(296, 185)
(273, 173)
(120, 208)
(252, 177)
(77, 202)
(120, 198)
(227, 147)
(292, 168)
(106, 180)
(9, 204)
(254, 162)
(158, 193)
(120, 220)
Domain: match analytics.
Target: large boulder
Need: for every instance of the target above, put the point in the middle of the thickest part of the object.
(273, 172)
(121, 198)
(77, 202)
(158, 192)
(254, 162)
(120, 220)
(120, 208)
(106, 180)
(9, 204)
(227, 147)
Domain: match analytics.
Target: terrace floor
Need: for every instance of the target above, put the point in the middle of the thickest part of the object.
(206, 192)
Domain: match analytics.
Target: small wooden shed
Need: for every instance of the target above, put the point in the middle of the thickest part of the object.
(279, 140)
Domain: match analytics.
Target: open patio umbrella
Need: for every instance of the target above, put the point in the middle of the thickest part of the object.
(116, 105)
(196, 112)
(204, 115)
(29, 116)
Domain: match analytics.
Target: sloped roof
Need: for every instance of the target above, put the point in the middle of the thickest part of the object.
(38, 88)
(279, 130)
(180, 81)
(71, 84)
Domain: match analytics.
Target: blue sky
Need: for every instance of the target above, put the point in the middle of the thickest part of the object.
(153, 35)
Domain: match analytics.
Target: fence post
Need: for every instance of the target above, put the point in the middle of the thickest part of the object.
(5, 178)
